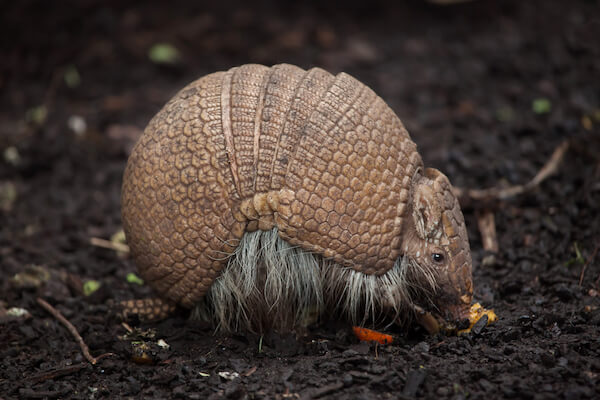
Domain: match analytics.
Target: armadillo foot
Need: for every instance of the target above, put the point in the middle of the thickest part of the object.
(149, 309)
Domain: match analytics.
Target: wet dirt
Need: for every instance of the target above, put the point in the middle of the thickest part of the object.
(488, 90)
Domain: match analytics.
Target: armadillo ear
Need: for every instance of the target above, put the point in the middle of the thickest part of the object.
(426, 211)
(433, 173)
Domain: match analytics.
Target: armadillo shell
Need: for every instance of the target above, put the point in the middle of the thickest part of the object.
(320, 157)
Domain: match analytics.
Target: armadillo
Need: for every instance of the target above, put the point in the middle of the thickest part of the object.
(261, 196)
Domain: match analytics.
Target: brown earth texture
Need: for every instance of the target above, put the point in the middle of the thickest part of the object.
(488, 89)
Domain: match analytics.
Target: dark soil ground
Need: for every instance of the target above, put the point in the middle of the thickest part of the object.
(487, 89)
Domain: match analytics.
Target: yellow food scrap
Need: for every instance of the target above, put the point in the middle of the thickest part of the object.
(475, 314)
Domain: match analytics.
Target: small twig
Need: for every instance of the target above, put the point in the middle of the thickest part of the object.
(128, 328)
(588, 262)
(497, 193)
(325, 390)
(438, 344)
(55, 373)
(107, 244)
(84, 348)
(487, 228)
(27, 393)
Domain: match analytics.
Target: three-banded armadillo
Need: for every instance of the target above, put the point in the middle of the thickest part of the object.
(260, 195)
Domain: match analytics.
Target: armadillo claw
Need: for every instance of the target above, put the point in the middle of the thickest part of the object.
(427, 320)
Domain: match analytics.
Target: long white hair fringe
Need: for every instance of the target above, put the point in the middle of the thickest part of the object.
(269, 284)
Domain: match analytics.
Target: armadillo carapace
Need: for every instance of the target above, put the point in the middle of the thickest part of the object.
(260, 196)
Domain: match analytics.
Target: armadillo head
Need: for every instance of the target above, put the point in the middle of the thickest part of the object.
(436, 245)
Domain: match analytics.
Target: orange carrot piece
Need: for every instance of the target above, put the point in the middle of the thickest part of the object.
(369, 335)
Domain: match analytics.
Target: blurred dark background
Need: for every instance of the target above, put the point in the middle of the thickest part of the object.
(486, 56)
(487, 88)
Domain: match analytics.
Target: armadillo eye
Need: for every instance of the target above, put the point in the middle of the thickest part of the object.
(437, 257)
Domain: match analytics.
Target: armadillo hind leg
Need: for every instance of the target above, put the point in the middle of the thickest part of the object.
(269, 284)
(148, 309)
